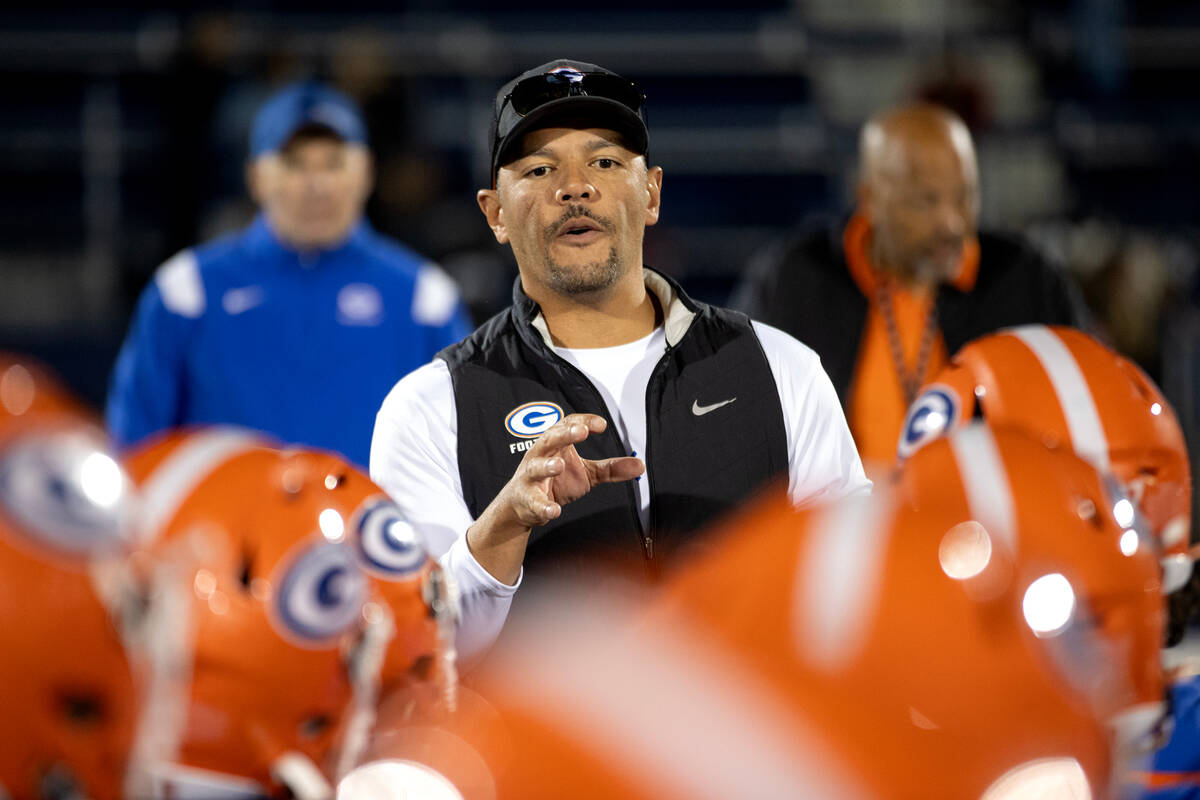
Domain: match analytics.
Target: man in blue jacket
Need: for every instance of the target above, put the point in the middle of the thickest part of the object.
(299, 324)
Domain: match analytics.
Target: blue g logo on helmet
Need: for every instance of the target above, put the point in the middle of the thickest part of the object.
(66, 492)
(387, 543)
(320, 594)
(932, 414)
(532, 419)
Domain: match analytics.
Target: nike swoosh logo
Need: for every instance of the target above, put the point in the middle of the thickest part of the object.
(700, 410)
(237, 301)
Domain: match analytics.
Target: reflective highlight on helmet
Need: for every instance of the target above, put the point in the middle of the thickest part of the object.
(17, 389)
(1123, 513)
(1049, 604)
(333, 527)
(1044, 779)
(965, 550)
(101, 479)
(396, 779)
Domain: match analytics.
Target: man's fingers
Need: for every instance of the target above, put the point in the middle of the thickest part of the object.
(612, 470)
(536, 509)
(541, 468)
(571, 429)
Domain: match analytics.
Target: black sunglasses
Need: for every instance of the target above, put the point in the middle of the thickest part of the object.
(534, 92)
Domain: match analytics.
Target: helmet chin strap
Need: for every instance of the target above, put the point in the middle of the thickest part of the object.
(441, 593)
(162, 641)
(364, 665)
(300, 775)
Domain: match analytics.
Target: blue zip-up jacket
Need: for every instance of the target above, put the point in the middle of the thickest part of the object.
(244, 331)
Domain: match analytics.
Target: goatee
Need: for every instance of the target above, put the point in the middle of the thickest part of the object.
(584, 278)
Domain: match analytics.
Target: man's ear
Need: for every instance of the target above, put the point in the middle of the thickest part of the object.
(369, 167)
(253, 185)
(865, 197)
(654, 178)
(489, 204)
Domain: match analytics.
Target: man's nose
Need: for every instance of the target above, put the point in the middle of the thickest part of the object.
(319, 181)
(952, 219)
(575, 187)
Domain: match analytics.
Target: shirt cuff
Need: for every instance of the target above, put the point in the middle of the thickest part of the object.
(472, 577)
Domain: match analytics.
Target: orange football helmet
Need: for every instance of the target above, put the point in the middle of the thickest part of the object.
(1102, 614)
(277, 613)
(70, 702)
(264, 502)
(1065, 387)
(900, 633)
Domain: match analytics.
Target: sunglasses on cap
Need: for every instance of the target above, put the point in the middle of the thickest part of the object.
(538, 90)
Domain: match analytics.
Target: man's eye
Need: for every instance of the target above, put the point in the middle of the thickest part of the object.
(605, 163)
(538, 172)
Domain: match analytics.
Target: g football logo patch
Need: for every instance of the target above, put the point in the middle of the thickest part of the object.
(932, 414)
(531, 420)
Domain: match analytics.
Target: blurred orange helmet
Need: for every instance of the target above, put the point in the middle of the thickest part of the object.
(1065, 387)
(278, 613)
(69, 708)
(1083, 557)
(869, 618)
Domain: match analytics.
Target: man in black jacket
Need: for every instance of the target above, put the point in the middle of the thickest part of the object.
(604, 411)
(885, 298)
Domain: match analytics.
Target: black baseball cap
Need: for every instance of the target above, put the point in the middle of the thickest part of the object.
(571, 93)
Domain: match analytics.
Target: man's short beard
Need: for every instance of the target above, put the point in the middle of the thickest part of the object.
(584, 278)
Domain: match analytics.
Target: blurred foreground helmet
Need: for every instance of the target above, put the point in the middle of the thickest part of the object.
(68, 709)
(277, 616)
(1066, 388)
(1080, 556)
(868, 617)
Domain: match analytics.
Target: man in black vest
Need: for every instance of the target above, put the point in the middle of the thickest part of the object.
(604, 411)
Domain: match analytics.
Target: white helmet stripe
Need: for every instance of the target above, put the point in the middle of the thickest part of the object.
(1074, 395)
(985, 481)
(183, 470)
(838, 580)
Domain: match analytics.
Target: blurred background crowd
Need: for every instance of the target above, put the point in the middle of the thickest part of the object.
(124, 138)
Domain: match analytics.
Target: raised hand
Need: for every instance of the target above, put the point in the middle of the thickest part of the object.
(551, 474)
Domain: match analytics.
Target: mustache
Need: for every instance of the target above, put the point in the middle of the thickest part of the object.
(574, 212)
